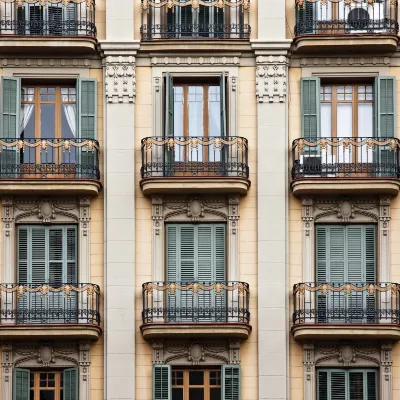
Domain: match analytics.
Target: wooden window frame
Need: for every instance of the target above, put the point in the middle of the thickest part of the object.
(206, 386)
(36, 384)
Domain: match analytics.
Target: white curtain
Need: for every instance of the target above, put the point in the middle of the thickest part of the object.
(70, 115)
(26, 114)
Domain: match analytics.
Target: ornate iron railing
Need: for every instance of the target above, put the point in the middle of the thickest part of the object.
(64, 303)
(48, 18)
(193, 302)
(346, 303)
(343, 17)
(49, 159)
(195, 19)
(346, 158)
(181, 156)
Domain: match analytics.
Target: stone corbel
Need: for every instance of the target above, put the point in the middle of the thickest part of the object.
(384, 238)
(309, 371)
(271, 79)
(84, 370)
(234, 352)
(7, 368)
(158, 352)
(120, 79)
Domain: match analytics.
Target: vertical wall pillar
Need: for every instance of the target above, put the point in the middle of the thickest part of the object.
(84, 370)
(308, 239)
(309, 371)
(386, 372)
(7, 368)
(8, 259)
(384, 239)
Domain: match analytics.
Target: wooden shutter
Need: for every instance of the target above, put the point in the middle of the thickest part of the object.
(338, 385)
(162, 382)
(372, 385)
(169, 105)
(87, 108)
(385, 106)
(322, 386)
(71, 382)
(35, 15)
(11, 107)
(230, 382)
(310, 108)
(222, 83)
(21, 384)
(55, 15)
(305, 18)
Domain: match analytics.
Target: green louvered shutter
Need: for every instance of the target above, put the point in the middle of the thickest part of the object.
(230, 382)
(322, 265)
(172, 232)
(87, 123)
(222, 83)
(372, 385)
(71, 383)
(169, 155)
(322, 386)
(205, 27)
(370, 269)
(305, 18)
(21, 384)
(162, 382)
(310, 108)
(10, 110)
(338, 385)
(220, 270)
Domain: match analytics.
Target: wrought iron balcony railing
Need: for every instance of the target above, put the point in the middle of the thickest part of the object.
(346, 158)
(346, 303)
(198, 156)
(195, 19)
(69, 303)
(193, 302)
(343, 17)
(48, 18)
(49, 159)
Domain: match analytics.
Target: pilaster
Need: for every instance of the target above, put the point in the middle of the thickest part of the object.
(308, 239)
(8, 249)
(233, 238)
(384, 239)
(84, 370)
(386, 372)
(309, 371)
(158, 240)
(84, 240)
(7, 368)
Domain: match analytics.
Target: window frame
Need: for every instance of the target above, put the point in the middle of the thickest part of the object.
(36, 383)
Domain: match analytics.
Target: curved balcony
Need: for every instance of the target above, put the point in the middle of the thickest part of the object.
(185, 20)
(346, 310)
(200, 309)
(342, 25)
(47, 25)
(346, 166)
(33, 311)
(43, 166)
(194, 165)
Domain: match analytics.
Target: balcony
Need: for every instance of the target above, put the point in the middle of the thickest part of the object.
(33, 311)
(345, 166)
(346, 311)
(346, 26)
(47, 25)
(187, 20)
(45, 166)
(194, 165)
(200, 309)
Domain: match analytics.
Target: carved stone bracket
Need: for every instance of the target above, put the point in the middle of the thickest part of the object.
(271, 79)
(196, 352)
(120, 79)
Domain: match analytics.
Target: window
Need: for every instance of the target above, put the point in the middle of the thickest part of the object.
(345, 254)
(352, 384)
(47, 255)
(45, 385)
(196, 253)
(196, 384)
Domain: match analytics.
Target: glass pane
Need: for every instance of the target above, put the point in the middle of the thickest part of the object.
(326, 120)
(178, 121)
(195, 394)
(196, 111)
(365, 129)
(68, 121)
(32, 395)
(215, 393)
(47, 395)
(196, 378)
(48, 125)
(214, 111)
(177, 393)
(344, 129)
(27, 131)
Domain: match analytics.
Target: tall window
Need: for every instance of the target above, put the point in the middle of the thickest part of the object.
(352, 384)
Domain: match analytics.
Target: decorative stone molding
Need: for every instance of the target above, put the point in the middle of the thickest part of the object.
(195, 209)
(349, 211)
(344, 355)
(45, 211)
(195, 61)
(120, 79)
(196, 352)
(344, 61)
(271, 79)
(46, 62)
(46, 355)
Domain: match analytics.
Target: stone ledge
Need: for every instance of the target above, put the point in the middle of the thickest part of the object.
(199, 330)
(165, 185)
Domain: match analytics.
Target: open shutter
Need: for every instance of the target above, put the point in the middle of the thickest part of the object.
(305, 18)
(219, 267)
(21, 384)
(71, 384)
(372, 385)
(322, 235)
(87, 123)
(169, 105)
(338, 385)
(310, 108)
(204, 23)
(172, 269)
(187, 243)
(230, 382)
(10, 110)
(222, 83)
(70, 22)
(55, 15)
(385, 106)
(162, 382)
(322, 388)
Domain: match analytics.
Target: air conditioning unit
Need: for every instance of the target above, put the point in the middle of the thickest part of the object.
(360, 18)
(311, 164)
